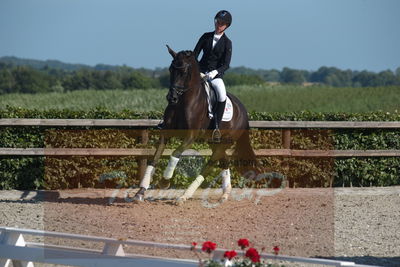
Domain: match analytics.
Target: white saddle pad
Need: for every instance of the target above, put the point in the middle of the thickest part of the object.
(228, 113)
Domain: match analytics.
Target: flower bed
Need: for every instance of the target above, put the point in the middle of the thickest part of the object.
(252, 257)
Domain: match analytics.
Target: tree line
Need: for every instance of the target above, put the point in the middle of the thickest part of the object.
(329, 76)
(28, 77)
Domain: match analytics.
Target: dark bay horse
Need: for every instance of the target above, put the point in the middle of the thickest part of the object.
(187, 112)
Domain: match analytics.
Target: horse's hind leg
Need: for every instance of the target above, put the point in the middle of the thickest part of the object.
(215, 157)
(148, 174)
(226, 179)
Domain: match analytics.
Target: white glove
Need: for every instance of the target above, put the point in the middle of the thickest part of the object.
(211, 75)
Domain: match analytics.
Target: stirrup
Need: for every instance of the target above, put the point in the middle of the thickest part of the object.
(216, 136)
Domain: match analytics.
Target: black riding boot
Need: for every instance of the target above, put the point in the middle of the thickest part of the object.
(161, 125)
(219, 112)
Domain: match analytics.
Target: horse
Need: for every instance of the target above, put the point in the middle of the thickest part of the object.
(187, 112)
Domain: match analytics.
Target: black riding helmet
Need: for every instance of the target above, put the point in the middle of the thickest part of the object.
(224, 17)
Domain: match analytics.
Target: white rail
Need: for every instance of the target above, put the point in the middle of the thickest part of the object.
(13, 248)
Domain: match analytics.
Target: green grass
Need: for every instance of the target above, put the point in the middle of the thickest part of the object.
(256, 98)
(114, 100)
(319, 99)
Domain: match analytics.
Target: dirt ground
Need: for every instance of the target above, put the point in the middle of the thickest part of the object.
(353, 224)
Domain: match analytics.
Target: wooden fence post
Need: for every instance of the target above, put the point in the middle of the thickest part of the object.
(286, 133)
(144, 134)
(286, 138)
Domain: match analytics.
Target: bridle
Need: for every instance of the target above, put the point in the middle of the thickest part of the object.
(180, 90)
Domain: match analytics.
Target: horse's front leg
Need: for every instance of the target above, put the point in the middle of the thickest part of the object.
(226, 179)
(148, 174)
(174, 159)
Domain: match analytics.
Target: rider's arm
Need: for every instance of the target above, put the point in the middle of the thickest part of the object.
(227, 57)
(199, 46)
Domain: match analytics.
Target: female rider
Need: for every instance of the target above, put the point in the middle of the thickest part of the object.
(217, 52)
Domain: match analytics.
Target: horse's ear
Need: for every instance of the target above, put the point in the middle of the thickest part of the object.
(172, 52)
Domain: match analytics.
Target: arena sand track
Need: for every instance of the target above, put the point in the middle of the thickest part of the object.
(354, 224)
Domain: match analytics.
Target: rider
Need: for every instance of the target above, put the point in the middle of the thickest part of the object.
(217, 52)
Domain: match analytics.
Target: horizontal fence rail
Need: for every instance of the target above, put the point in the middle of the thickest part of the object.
(14, 248)
(144, 152)
(144, 124)
(253, 124)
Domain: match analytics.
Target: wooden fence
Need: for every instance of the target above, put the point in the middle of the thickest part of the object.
(143, 126)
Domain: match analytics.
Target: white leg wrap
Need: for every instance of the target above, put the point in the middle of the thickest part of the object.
(169, 171)
(226, 179)
(193, 187)
(147, 177)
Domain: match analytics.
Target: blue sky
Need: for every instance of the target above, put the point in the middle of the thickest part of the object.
(266, 34)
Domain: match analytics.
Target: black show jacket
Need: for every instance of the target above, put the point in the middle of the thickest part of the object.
(217, 58)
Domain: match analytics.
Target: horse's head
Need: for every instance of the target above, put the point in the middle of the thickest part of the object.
(180, 74)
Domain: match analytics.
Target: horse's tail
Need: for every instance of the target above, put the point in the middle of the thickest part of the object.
(244, 158)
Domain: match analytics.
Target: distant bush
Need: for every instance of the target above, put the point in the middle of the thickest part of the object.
(25, 80)
(232, 79)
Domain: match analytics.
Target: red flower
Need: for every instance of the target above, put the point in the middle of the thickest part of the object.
(209, 246)
(243, 243)
(253, 255)
(276, 250)
(194, 244)
(230, 254)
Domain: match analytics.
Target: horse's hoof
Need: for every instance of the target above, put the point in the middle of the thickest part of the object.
(225, 194)
(164, 184)
(138, 198)
(224, 198)
(180, 200)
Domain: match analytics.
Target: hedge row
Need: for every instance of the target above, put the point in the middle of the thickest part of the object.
(74, 171)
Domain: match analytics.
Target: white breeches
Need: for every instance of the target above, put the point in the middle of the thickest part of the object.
(219, 86)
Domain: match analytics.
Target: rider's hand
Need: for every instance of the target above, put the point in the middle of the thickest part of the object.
(211, 75)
